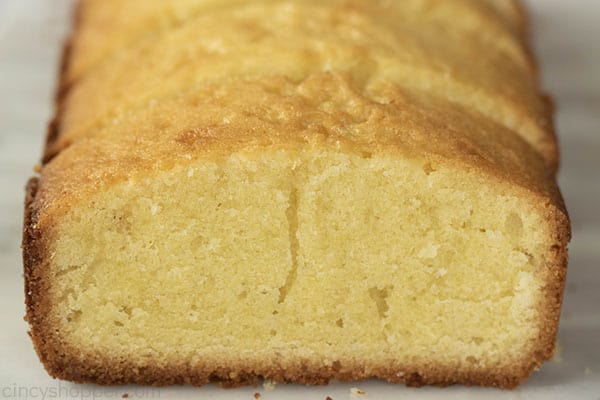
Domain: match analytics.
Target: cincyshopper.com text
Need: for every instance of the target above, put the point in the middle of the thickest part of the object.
(63, 390)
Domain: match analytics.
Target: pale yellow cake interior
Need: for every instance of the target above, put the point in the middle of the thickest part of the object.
(315, 255)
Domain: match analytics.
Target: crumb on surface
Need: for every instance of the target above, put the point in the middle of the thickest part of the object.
(125, 395)
(328, 398)
(256, 395)
(356, 392)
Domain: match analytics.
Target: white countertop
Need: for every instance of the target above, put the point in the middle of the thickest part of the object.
(566, 36)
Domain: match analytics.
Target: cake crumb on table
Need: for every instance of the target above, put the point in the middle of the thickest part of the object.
(356, 392)
(257, 395)
(125, 395)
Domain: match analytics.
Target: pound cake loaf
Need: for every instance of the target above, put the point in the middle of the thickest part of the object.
(297, 190)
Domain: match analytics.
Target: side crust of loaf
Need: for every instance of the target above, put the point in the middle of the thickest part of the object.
(71, 364)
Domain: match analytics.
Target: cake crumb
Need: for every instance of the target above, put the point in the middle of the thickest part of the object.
(257, 395)
(328, 398)
(429, 251)
(125, 395)
(269, 384)
(356, 392)
(37, 168)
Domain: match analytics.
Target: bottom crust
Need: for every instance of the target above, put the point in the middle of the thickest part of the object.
(95, 370)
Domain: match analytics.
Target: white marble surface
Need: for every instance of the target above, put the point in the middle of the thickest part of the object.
(566, 36)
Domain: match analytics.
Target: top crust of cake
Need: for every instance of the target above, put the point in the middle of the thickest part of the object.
(490, 72)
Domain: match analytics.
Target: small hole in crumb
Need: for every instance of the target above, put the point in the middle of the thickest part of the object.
(428, 169)
(336, 366)
(514, 224)
(273, 332)
(472, 360)
(74, 316)
(477, 340)
(340, 323)
(243, 295)
(126, 310)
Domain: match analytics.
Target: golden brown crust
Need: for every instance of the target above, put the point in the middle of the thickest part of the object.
(62, 88)
(557, 270)
(35, 260)
(73, 367)
(97, 44)
(71, 364)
